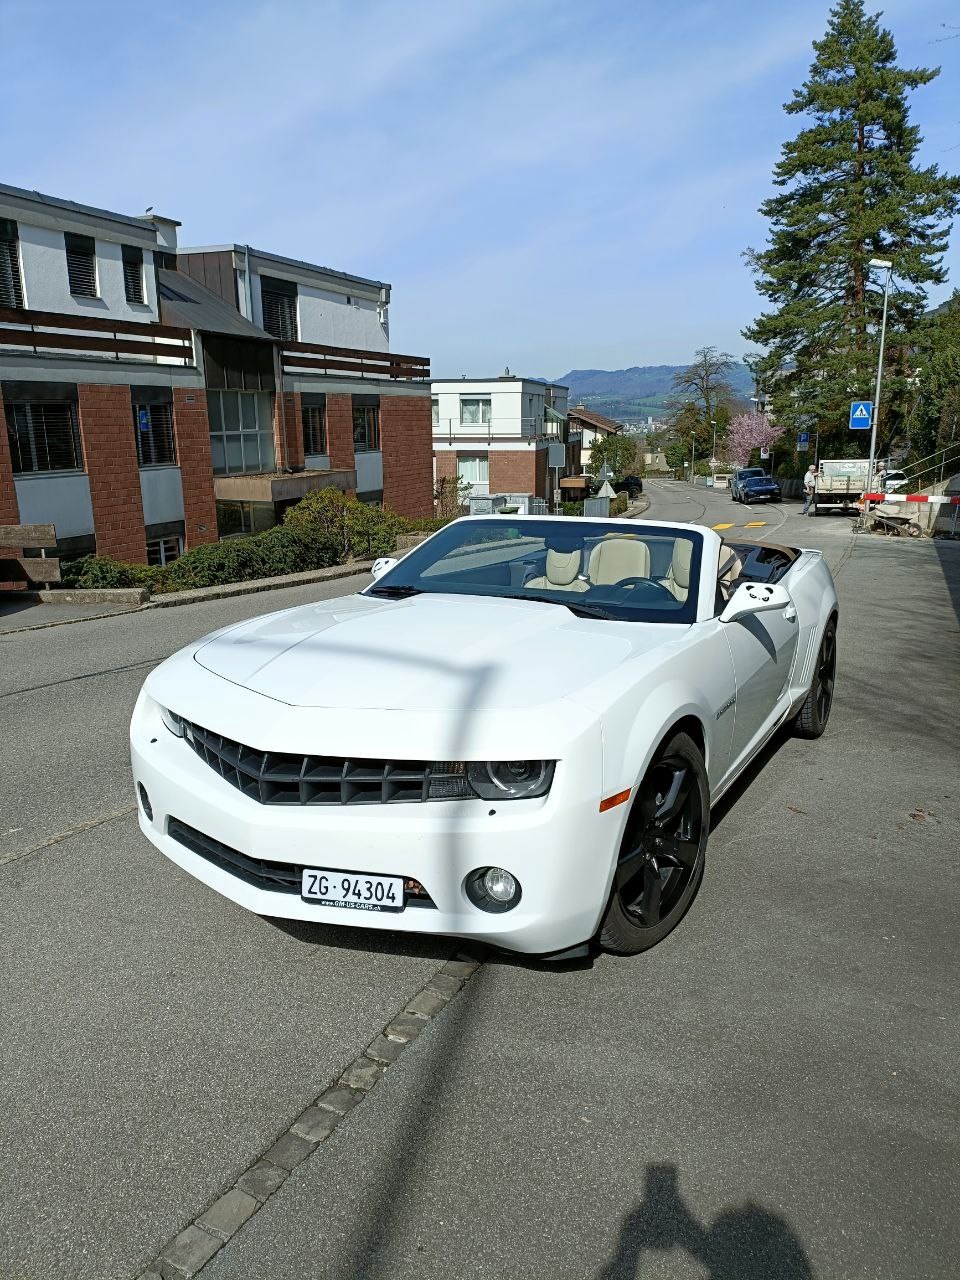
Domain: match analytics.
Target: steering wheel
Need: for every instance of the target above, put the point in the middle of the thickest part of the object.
(643, 582)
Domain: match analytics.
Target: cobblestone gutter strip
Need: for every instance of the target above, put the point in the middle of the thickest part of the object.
(186, 1254)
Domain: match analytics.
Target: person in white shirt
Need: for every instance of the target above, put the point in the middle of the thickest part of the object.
(809, 485)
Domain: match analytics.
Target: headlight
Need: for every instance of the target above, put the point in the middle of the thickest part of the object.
(172, 721)
(511, 779)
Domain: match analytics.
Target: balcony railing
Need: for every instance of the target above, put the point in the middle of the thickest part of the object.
(43, 332)
(314, 357)
(452, 430)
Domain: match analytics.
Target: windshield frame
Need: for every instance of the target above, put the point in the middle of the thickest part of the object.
(406, 573)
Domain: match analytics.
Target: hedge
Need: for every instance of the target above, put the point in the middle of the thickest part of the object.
(324, 528)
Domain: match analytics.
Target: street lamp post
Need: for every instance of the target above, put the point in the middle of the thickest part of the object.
(714, 425)
(886, 265)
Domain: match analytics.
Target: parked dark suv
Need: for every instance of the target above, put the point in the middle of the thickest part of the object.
(632, 484)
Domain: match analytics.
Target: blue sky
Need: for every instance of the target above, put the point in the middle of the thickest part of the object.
(547, 184)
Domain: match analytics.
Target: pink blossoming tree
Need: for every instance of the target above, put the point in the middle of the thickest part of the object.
(749, 431)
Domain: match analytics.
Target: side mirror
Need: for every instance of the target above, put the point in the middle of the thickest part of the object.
(382, 566)
(755, 597)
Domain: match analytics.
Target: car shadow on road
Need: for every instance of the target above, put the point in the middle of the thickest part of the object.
(731, 798)
(747, 1242)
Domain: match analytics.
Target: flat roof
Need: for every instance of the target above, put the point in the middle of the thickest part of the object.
(513, 378)
(72, 206)
(286, 262)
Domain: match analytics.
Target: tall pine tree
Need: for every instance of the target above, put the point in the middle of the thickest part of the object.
(851, 191)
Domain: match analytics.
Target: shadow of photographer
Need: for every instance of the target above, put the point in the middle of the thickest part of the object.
(742, 1243)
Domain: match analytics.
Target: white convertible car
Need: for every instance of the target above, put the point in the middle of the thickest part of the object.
(515, 734)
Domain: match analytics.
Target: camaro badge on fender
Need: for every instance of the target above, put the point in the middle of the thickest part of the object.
(726, 706)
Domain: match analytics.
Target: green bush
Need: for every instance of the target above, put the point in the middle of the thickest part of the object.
(618, 505)
(353, 528)
(572, 508)
(98, 572)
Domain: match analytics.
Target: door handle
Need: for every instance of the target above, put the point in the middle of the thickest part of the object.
(790, 613)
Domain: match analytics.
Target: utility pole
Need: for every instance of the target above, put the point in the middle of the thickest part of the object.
(888, 266)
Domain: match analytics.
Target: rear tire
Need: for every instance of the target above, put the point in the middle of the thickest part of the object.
(661, 858)
(811, 719)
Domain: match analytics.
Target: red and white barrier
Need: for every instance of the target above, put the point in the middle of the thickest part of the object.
(942, 499)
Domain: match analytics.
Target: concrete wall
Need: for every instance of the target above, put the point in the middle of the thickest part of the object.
(46, 287)
(161, 493)
(60, 498)
(327, 317)
(516, 407)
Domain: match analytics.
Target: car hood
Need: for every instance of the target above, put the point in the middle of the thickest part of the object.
(427, 652)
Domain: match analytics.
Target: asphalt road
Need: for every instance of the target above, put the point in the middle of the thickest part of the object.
(770, 1092)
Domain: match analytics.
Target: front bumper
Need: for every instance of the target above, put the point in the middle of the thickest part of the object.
(560, 848)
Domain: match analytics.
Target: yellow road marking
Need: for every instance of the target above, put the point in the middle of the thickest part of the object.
(755, 524)
(722, 526)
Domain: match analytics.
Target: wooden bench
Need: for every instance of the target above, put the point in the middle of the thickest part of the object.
(19, 568)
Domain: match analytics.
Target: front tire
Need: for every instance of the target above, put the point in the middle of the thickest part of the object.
(811, 719)
(661, 858)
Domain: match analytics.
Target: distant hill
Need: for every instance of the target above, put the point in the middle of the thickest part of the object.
(640, 392)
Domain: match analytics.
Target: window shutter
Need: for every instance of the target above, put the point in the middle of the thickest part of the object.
(279, 304)
(132, 272)
(81, 265)
(43, 437)
(11, 288)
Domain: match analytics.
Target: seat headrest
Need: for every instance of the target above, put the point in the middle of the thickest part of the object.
(680, 564)
(617, 558)
(562, 567)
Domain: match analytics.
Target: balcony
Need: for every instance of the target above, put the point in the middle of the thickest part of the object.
(42, 333)
(453, 431)
(314, 357)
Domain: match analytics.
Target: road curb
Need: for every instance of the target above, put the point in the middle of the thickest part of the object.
(172, 599)
(205, 1235)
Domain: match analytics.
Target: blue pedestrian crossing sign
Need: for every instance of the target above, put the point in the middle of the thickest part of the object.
(860, 411)
(143, 419)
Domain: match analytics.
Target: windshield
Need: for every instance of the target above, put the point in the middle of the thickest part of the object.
(640, 573)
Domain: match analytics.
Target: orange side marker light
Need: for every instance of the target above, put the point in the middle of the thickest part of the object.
(611, 802)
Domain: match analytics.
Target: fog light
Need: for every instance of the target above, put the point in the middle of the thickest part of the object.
(492, 889)
(500, 885)
(145, 801)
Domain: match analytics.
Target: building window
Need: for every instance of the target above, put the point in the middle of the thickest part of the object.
(473, 470)
(435, 411)
(278, 299)
(11, 285)
(235, 519)
(314, 417)
(81, 265)
(474, 412)
(366, 428)
(241, 431)
(44, 437)
(132, 272)
(153, 428)
(164, 550)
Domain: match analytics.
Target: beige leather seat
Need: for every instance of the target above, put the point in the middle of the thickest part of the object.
(731, 567)
(677, 580)
(562, 569)
(614, 559)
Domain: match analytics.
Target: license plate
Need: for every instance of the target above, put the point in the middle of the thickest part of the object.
(359, 892)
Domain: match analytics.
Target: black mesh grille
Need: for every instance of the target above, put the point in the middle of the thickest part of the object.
(277, 877)
(272, 777)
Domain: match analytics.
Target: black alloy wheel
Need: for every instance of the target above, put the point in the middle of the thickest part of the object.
(811, 719)
(662, 853)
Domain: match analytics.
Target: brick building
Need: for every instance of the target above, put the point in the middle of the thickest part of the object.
(493, 434)
(154, 398)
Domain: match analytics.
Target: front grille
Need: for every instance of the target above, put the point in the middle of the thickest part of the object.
(273, 777)
(277, 877)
